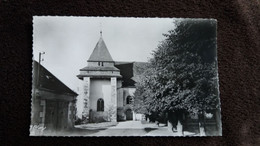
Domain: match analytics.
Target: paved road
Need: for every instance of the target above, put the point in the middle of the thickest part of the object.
(133, 125)
(134, 128)
(126, 128)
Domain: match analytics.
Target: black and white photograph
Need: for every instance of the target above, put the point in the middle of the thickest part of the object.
(125, 76)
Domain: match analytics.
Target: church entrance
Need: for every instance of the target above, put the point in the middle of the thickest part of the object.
(56, 115)
(129, 114)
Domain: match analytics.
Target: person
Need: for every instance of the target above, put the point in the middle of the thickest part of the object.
(173, 119)
(158, 123)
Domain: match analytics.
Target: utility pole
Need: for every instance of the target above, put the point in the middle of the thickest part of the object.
(39, 65)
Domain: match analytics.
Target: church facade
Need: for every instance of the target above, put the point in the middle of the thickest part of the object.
(108, 87)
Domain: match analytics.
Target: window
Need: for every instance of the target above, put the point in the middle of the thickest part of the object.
(100, 104)
(128, 100)
(98, 63)
(102, 64)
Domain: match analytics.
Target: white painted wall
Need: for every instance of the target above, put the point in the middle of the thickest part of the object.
(138, 117)
(99, 89)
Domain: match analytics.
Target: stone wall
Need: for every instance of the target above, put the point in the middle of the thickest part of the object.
(113, 105)
(97, 117)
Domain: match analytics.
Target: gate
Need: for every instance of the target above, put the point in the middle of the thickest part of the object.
(56, 117)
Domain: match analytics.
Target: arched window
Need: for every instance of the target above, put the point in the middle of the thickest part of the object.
(100, 104)
(128, 100)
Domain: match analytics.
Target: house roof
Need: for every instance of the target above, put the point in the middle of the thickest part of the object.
(126, 70)
(100, 52)
(50, 82)
(122, 62)
(100, 77)
(99, 68)
(130, 72)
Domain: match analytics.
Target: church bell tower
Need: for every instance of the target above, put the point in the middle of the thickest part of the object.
(100, 80)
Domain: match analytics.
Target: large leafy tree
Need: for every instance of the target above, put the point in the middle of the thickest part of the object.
(182, 74)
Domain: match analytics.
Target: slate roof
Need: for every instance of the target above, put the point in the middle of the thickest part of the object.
(130, 72)
(100, 52)
(99, 68)
(126, 70)
(48, 81)
(100, 77)
(122, 62)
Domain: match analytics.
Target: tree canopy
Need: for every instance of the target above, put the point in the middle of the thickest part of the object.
(182, 74)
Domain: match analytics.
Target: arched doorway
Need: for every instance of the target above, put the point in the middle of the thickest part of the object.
(129, 114)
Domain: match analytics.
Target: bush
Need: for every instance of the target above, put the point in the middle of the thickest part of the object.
(78, 121)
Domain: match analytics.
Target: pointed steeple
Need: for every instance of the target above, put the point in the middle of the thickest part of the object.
(100, 52)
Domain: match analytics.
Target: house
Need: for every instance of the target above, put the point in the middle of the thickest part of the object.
(53, 103)
(108, 86)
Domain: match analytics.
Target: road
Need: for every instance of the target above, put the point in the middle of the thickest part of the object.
(133, 128)
(126, 128)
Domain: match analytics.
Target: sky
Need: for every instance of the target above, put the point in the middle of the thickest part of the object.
(69, 41)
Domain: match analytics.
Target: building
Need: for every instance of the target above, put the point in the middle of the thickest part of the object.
(53, 103)
(108, 86)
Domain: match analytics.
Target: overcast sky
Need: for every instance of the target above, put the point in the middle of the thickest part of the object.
(69, 41)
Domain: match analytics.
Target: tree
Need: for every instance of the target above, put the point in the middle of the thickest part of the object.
(85, 112)
(111, 112)
(186, 66)
(182, 75)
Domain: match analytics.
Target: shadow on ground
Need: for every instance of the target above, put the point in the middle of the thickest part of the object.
(72, 132)
(149, 129)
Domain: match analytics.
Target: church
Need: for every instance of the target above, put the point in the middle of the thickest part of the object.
(108, 86)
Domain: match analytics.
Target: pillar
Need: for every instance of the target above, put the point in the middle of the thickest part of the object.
(114, 99)
(86, 90)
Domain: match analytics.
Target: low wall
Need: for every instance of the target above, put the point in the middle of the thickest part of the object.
(97, 117)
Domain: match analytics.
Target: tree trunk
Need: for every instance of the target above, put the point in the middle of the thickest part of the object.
(148, 120)
(179, 128)
(170, 126)
(202, 130)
